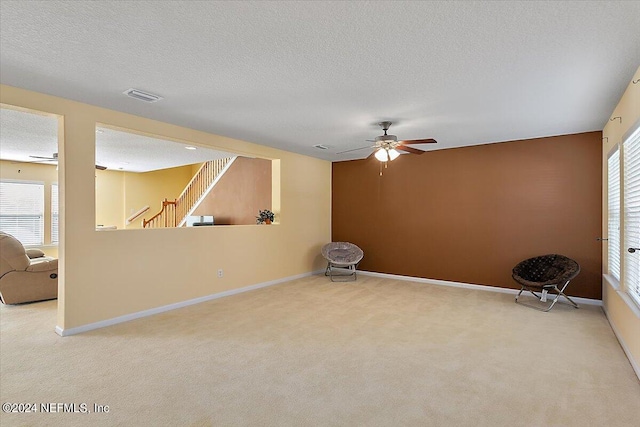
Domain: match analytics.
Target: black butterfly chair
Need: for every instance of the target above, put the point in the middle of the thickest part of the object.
(543, 274)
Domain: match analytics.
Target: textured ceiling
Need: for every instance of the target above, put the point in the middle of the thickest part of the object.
(295, 74)
(24, 134)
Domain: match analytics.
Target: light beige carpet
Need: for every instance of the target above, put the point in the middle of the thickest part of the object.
(375, 352)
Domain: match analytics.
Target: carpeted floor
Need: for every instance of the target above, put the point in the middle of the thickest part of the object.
(375, 352)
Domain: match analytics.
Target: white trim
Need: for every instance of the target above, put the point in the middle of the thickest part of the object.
(140, 314)
(586, 301)
(632, 129)
(208, 190)
(613, 282)
(627, 352)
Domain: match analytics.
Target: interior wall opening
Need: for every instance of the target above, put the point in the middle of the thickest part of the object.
(30, 202)
(148, 181)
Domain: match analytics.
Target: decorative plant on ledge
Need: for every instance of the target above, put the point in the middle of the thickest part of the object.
(265, 217)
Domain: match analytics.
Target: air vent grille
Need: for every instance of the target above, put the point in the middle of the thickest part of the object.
(141, 95)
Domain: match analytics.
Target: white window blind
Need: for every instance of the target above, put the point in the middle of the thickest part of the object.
(631, 190)
(54, 213)
(22, 211)
(614, 213)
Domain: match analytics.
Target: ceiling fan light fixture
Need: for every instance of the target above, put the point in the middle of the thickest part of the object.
(382, 155)
(386, 154)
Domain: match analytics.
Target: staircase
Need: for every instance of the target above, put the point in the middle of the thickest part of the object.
(174, 213)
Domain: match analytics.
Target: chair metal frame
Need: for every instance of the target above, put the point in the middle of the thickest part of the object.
(557, 285)
(352, 272)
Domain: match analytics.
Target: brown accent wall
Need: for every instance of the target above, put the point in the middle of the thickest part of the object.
(243, 190)
(470, 214)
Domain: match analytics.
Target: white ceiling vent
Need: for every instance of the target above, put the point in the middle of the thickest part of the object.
(141, 95)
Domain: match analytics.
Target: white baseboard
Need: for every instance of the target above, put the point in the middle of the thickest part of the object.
(586, 301)
(140, 314)
(127, 317)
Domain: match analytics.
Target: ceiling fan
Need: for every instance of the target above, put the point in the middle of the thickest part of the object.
(54, 158)
(386, 146)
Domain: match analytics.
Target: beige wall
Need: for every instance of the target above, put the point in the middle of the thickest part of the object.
(113, 273)
(195, 168)
(240, 193)
(624, 320)
(151, 188)
(110, 198)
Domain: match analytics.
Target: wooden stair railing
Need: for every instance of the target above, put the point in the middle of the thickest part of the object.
(163, 219)
(190, 196)
(198, 186)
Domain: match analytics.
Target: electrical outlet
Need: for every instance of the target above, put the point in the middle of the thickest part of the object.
(220, 273)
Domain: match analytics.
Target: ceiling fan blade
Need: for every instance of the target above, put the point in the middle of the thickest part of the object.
(44, 161)
(419, 141)
(43, 158)
(355, 149)
(47, 159)
(409, 149)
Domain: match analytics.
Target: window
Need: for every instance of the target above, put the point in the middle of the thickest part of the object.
(54, 213)
(631, 190)
(614, 213)
(22, 211)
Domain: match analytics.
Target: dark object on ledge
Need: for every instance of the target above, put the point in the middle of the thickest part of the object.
(198, 221)
(543, 274)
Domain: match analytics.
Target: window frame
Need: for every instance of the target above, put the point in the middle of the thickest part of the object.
(43, 185)
(634, 296)
(621, 286)
(55, 215)
(615, 150)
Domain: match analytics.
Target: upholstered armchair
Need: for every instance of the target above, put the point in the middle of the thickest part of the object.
(26, 275)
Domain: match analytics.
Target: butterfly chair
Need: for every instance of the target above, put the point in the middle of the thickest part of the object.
(545, 273)
(343, 257)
